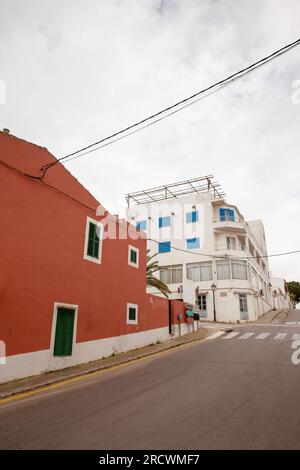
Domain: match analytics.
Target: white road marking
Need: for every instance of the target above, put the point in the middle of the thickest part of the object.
(262, 335)
(280, 336)
(216, 335)
(246, 336)
(231, 335)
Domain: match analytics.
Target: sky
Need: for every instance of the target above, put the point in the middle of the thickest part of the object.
(75, 71)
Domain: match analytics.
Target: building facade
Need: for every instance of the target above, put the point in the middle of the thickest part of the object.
(69, 294)
(281, 297)
(209, 255)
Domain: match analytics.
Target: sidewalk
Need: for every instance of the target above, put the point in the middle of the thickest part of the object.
(30, 383)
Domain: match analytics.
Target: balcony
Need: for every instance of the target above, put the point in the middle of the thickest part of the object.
(232, 224)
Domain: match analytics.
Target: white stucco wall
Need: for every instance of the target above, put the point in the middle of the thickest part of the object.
(212, 236)
(33, 363)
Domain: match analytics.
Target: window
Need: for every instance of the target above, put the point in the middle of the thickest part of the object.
(223, 269)
(201, 301)
(164, 247)
(226, 214)
(231, 269)
(164, 221)
(193, 243)
(132, 314)
(243, 303)
(239, 270)
(133, 256)
(192, 217)
(254, 278)
(171, 274)
(231, 243)
(93, 240)
(64, 330)
(199, 271)
(142, 225)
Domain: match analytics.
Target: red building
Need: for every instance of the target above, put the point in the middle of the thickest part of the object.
(68, 294)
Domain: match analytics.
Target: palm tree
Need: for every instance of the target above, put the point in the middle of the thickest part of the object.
(151, 279)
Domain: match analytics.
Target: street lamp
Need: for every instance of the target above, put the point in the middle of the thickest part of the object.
(213, 287)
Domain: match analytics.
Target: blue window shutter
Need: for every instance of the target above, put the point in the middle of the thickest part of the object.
(222, 214)
(231, 215)
(164, 247)
(141, 225)
(164, 221)
(192, 217)
(195, 216)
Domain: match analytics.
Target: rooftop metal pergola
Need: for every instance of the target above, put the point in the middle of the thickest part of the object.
(174, 190)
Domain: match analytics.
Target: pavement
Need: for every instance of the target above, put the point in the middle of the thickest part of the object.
(237, 390)
(46, 379)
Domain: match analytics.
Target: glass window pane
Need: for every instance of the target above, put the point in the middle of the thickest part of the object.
(164, 221)
(193, 243)
(141, 225)
(239, 270)
(192, 217)
(206, 271)
(223, 269)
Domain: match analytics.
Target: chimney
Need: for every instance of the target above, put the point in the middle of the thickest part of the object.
(6, 131)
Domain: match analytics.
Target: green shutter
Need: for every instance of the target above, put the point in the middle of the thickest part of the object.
(132, 314)
(64, 332)
(133, 256)
(93, 241)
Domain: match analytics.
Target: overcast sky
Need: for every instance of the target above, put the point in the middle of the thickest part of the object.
(76, 71)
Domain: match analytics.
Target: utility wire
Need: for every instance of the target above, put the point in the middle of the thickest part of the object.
(145, 125)
(236, 258)
(93, 209)
(220, 83)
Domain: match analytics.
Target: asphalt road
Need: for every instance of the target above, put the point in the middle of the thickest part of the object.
(237, 391)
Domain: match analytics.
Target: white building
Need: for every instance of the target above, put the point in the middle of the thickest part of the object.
(209, 255)
(280, 294)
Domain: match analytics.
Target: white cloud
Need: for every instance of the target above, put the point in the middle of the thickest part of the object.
(76, 71)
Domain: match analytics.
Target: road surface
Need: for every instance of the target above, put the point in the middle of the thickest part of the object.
(238, 391)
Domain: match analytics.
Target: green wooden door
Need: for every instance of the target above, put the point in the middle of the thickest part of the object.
(64, 332)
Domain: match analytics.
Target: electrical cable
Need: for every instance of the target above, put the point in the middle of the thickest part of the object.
(220, 83)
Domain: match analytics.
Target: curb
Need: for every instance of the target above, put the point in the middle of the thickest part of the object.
(104, 367)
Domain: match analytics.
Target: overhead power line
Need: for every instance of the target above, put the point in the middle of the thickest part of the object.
(164, 113)
(236, 258)
(93, 209)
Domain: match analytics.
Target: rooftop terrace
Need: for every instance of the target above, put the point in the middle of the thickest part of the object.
(175, 190)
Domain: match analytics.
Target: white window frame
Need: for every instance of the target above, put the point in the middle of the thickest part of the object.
(170, 272)
(58, 305)
(230, 242)
(243, 303)
(132, 322)
(137, 251)
(86, 240)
